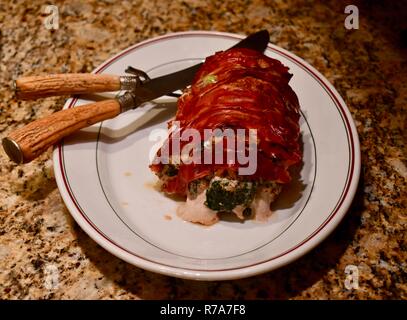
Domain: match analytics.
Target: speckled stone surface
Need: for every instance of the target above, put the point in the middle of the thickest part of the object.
(44, 254)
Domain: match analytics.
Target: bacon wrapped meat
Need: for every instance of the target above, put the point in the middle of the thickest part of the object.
(234, 89)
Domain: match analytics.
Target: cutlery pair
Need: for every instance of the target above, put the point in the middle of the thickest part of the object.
(25, 144)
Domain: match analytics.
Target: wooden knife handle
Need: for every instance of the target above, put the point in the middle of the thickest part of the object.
(28, 142)
(64, 84)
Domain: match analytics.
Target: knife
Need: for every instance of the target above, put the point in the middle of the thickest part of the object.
(27, 143)
(34, 87)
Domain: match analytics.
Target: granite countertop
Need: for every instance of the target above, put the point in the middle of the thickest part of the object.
(43, 252)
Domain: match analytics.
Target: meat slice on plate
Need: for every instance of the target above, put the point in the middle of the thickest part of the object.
(235, 89)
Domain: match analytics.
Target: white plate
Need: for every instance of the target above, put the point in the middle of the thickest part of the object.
(102, 173)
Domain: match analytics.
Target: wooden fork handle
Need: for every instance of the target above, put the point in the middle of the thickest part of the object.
(27, 143)
(64, 84)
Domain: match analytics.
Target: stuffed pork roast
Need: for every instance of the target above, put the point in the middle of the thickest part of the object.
(235, 89)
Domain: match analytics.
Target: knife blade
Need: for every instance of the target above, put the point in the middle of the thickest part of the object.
(166, 84)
